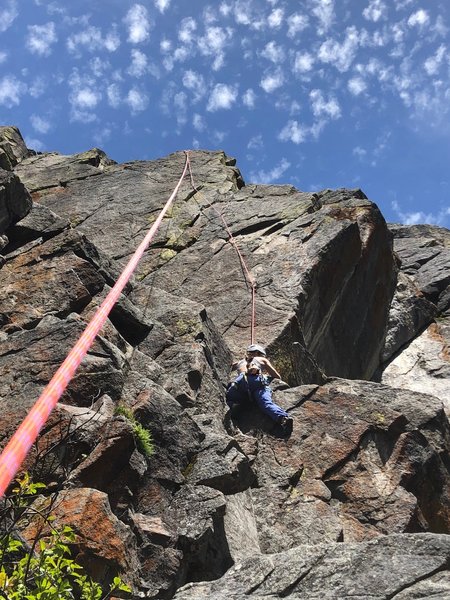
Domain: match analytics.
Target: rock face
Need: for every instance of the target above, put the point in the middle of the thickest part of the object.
(354, 315)
(417, 346)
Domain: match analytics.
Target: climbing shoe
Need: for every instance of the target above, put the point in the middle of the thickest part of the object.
(286, 424)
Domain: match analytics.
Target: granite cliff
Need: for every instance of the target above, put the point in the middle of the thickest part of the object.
(355, 314)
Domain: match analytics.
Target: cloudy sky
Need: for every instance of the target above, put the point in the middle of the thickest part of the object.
(315, 93)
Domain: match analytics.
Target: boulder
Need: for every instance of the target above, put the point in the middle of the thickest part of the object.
(425, 254)
(105, 546)
(12, 147)
(424, 365)
(416, 564)
(409, 314)
(15, 201)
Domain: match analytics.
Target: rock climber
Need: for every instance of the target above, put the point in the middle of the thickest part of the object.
(255, 372)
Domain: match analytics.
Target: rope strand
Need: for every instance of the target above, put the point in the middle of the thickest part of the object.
(248, 275)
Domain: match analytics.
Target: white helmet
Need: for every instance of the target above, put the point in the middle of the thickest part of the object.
(256, 348)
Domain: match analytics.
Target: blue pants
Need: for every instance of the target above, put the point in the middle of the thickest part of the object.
(260, 393)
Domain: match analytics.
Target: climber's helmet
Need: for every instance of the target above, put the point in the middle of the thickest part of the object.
(256, 348)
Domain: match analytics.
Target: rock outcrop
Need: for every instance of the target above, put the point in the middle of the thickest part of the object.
(354, 313)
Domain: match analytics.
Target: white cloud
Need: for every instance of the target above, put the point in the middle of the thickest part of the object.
(111, 41)
(433, 63)
(249, 98)
(99, 66)
(294, 132)
(324, 108)
(162, 5)
(180, 104)
(194, 81)
(356, 85)
(303, 62)
(223, 96)
(359, 152)
(3, 57)
(376, 10)
(40, 124)
(11, 89)
(92, 39)
(8, 14)
(418, 217)
(251, 14)
(213, 44)
(85, 98)
(34, 144)
(37, 87)
(138, 66)
(210, 15)
(296, 23)
(275, 19)
(273, 52)
(271, 176)
(40, 38)
(218, 136)
(187, 29)
(401, 4)
(340, 55)
(102, 135)
(138, 23)
(255, 143)
(242, 12)
(198, 122)
(324, 11)
(419, 18)
(439, 27)
(272, 81)
(165, 45)
(225, 9)
(113, 94)
(136, 100)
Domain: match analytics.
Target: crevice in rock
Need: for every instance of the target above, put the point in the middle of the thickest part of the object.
(275, 228)
(408, 585)
(250, 591)
(62, 184)
(259, 226)
(287, 591)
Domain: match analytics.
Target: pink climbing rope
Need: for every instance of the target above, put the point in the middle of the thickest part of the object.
(249, 277)
(17, 448)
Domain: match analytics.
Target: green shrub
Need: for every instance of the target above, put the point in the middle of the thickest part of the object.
(124, 411)
(44, 571)
(142, 436)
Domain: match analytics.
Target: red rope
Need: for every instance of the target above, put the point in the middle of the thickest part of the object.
(15, 452)
(249, 277)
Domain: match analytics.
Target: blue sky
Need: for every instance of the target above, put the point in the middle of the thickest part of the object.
(316, 93)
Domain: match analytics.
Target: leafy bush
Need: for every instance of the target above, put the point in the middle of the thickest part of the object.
(143, 436)
(44, 571)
